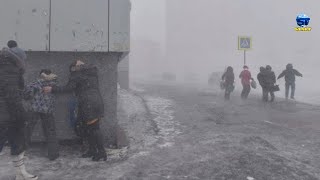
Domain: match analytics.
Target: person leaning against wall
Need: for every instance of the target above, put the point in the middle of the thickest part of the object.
(83, 81)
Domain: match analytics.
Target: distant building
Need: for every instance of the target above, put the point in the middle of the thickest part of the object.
(55, 33)
(146, 58)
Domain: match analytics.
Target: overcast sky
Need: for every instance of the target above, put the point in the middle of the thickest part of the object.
(148, 20)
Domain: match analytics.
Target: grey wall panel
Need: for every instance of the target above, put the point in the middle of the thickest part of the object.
(124, 64)
(27, 22)
(119, 25)
(79, 25)
(123, 73)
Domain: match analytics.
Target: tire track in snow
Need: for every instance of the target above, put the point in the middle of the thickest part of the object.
(162, 112)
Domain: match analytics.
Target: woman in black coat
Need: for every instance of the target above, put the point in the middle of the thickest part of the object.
(228, 78)
(84, 83)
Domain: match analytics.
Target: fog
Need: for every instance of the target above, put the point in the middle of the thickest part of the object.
(200, 37)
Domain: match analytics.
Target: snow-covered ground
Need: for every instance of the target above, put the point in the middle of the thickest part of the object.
(163, 115)
(188, 132)
(134, 118)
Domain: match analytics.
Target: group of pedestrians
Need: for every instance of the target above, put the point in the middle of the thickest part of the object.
(228, 79)
(266, 78)
(17, 120)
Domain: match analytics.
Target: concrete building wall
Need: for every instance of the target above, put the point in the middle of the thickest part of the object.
(96, 31)
(85, 28)
(59, 62)
(50, 25)
(123, 73)
(27, 22)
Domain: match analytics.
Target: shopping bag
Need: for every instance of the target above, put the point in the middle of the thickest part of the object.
(222, 85)
(253, 84)
(275, 88)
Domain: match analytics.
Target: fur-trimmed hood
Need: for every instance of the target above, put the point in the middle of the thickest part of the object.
(49, 77)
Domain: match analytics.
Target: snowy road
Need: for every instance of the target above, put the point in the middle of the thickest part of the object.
(233, 141)
(186, 133)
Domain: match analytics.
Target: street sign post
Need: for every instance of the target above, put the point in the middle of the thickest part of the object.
(244, 43)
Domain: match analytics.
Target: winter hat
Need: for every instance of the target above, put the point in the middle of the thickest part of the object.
(245, 67)
(12, 44)
(268, 67)
(289, 66)
(45, 71)
(229, 69)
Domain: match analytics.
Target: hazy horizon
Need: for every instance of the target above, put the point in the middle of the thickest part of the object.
(201, 37)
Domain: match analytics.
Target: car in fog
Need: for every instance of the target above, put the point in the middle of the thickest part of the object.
(191, 77)
(214, 78)
(168, 76)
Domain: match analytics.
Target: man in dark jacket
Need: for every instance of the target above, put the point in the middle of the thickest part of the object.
(85, 84)
(290, 78)
(270, 81)
(12, 120)
(19, 57)
(262, 81)
(13, 45)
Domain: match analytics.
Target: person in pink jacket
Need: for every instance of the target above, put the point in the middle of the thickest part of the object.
(246, 78)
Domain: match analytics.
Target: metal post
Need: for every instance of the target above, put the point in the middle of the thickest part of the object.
(244, 54)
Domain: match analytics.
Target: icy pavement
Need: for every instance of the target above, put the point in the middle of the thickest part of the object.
(151, 115)
(133, 118)
(162, 111)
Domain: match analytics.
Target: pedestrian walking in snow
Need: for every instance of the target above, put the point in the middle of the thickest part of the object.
(12, 113)
(41, 106)
(84, 83)
(245, 77)
(228, 82)
(270, 80)
(289, 75)
(262, 81)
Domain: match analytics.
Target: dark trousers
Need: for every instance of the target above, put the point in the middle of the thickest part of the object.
(227, 95)
(95, 138)
(12, 127)
(245, 91)
(265, 95)
(3, 139)
(49, 131)
(228, 89)
(293, 89)
(15, 134)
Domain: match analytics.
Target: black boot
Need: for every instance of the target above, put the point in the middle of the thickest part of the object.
(92, 148)
(88, 154)
(101, 154)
